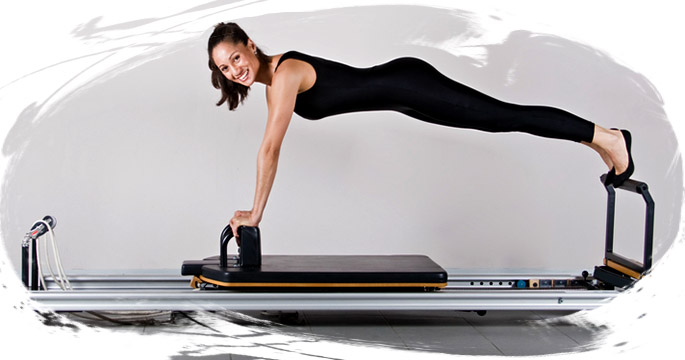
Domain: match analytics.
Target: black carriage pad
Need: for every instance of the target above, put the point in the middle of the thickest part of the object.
(194, 267)
(325, 271)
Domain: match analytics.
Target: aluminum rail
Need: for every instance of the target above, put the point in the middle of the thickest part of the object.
(172, 292)
(198, 300)
(108, 282)
(173, 281)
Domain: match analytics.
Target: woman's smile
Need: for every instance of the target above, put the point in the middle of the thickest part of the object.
(243, 77)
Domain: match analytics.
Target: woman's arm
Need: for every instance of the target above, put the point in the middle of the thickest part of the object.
(280, 98)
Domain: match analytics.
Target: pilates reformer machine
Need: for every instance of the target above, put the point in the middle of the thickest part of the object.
(250, 281)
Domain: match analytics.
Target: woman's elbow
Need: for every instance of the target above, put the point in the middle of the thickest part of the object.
(270, 150)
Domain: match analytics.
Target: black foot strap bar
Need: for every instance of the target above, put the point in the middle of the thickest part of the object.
(619, 270)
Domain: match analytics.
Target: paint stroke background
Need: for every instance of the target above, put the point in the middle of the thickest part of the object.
(128, 140)
(634, 46)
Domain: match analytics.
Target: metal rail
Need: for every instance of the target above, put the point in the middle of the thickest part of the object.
(173, 281)
(224, 300)
(172, 292)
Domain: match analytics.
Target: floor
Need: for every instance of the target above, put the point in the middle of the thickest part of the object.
(511, 333)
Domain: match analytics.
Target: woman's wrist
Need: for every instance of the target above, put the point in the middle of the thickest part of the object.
(255, 217)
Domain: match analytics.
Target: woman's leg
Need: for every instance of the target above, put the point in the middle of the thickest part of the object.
(416, 87)
(424, 93)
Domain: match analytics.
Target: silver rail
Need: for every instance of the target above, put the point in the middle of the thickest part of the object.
(241, 301)
(172, 292)
(171, 281)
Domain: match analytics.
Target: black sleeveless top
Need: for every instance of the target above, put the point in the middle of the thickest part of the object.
(340, 88)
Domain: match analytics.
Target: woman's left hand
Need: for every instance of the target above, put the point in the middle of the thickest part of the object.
(240, 218)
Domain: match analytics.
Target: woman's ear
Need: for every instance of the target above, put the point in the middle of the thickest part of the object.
(251, 46)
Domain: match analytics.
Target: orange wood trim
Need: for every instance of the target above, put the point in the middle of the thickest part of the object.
(623, 269)
(325, 285)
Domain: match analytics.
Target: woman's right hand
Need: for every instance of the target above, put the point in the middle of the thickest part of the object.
(242, 218)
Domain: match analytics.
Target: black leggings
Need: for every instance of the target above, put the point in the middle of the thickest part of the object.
(420, 91)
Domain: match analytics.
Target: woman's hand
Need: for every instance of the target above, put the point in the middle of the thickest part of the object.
(240, 218)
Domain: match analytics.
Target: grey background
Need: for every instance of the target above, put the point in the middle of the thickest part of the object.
(142, 171)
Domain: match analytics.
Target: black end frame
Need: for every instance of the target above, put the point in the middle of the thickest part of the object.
(29, 267)
(619, 270)
(29, 264)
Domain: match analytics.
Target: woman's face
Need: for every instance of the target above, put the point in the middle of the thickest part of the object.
(237, 62)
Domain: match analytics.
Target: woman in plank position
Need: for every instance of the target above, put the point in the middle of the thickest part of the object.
(315, 88)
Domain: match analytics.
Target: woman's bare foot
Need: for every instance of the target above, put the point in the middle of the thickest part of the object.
(611, 146)
(603, 154)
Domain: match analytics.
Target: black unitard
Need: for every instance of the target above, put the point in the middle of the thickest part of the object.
(415, 88)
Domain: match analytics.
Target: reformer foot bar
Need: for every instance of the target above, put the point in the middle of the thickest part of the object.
(252, 282)
(619, 270)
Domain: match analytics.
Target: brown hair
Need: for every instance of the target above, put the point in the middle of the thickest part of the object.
(231, 93)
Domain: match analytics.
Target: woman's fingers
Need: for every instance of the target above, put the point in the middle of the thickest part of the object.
(234, 228)
(240, 218)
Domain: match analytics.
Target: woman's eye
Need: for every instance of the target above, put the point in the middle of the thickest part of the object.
(235, 59)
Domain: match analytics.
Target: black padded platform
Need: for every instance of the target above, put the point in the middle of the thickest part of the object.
(341, 271)
(252, 270)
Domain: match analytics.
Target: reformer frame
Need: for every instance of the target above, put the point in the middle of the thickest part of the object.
(102, 292)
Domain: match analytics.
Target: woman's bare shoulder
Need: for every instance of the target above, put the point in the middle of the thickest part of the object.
(293, 72)
(289, 66)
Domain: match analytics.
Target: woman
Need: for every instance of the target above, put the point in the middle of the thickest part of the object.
(315, 88)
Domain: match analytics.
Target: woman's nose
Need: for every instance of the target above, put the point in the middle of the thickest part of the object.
(235, 71)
